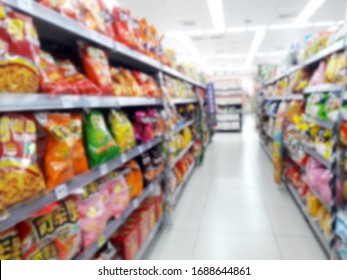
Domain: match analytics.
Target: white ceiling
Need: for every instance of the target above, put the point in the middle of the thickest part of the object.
(171, 16)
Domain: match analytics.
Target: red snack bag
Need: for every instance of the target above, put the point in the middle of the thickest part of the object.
(122, 26)
(10, 245)
(97, 67)
(147, 83)
(77, 81)
(108, 18)
(70, 8)
(51, 80)
(92, 15)
(136, 41)
(80, 162)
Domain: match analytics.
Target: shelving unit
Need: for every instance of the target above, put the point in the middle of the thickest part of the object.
(333, 163)
(55, 28)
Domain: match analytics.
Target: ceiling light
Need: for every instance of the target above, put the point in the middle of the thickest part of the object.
(308, 11)
(236, 29)
(256, 28)
(258, 38)
(217, 13)
(214, 32)
(324, 23)
(194, 33)
(279, 26)
(303, 25)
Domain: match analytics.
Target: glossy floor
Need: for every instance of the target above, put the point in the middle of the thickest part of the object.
(231, 209)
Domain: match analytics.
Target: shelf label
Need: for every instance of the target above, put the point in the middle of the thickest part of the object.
(94, 101)
(101, 240)
(26, 5)
(136, 203)
(124, 158)
(61, 192)
(67, 101)
(103, 169)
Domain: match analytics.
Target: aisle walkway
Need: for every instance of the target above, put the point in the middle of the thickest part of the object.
(231, 209)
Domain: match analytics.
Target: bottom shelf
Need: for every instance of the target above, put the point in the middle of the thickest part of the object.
(312, 223)
(149, 240)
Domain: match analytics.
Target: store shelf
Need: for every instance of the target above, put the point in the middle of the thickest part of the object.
(149, 240)
(114, 225)
(275, 98)
(229, 113)
(179, 101)
(313, 224)
(32, 102)
(290, 97)
(268, 153)
(313, 153)
(186, 178)
(228, 103)
(186, 124)
(182, 154)
(175, 74)
(324, 88)
(22, 211)
(317, 121)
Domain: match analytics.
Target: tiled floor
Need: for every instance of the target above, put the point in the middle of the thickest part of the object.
(231, 209)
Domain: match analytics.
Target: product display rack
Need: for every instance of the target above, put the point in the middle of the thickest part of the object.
(55, 28)
(333, 163)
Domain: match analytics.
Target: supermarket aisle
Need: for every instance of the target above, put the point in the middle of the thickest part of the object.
(231, 209)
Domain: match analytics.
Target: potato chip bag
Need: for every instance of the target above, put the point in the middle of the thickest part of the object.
(10, 245)
(80, 84)
(122, 27)
(147, 84)
(133, 86)
(92, 16)
(70, 8)
(80, 162)
(119, 83)
(20, 175)
(99, 143)
(134, 179)
(122, 130)
(20, 48)
(147, 167)
(97, 67)
(58, 160)
(93, 214)
(51, 80)
(53, 233)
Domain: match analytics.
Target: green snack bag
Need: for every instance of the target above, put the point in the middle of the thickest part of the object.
(100, 145)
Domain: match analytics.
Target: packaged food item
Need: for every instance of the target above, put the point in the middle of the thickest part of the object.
(331, 69)
(122, 130)
(120, 85)
(80, 162)
(69, 8)
(332, 106)
(53, 233)
(20, 50)
(20, 175)
(136, 34)
(97, 68)
(298, 81)
(134, 179)
(157, 161)
(121, 25)
(51, 80)
(10, 245)
(99, 143)
(93, 214)
(92, 15)
(318, 76)
(133, 86)
(147, 167)
(119, 194)
(78, 82)
(145, 126)
(107, 13)
(58, 160)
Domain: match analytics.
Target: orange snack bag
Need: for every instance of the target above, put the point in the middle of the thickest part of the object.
(80, 163)
(69, 8)
(97, 67)
(133, 86)
(134, 179)
(92, 15)
(120, 86)
(58, 160)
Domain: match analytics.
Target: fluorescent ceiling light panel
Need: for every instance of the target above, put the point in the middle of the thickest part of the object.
(279, 26)
(257, 40)
(214, 32)
(256, 28)
(236, 29)
(217, 14)
(324, 23)
(308, 11)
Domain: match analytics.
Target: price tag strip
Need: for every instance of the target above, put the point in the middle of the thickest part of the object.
(61, 192)
(103, 169)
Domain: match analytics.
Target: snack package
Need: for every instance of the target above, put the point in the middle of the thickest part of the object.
(78, 82)
(331, 69)
(332, 106)
(121, 25)
(93, 214)
(122, 130)
(53, 233)
(20, 175)
(92, 15)
(19, 56)
(58, 159)
(97, 68)
(318, 76)
(80, 162)
(107, 14)
(10, 245)
(99, 143)
(119, 194)
(147, 168)
(147, 84)
(119, 83)
(145, 127)
(134, 179)
(136, 34)
(157, 161)
(51, 80)
(68, 8)
(133, 87)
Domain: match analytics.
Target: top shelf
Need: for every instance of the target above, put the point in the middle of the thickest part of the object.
(57, 28)
(316, 58)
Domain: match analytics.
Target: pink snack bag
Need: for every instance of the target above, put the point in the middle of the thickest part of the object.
(119, 195)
